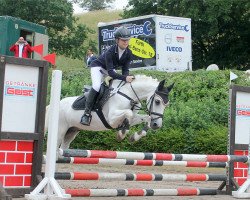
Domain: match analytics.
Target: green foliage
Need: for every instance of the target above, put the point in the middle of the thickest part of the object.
(220, 29)
(195, 122)
(66, 36)
(91, 20)
(91, 5)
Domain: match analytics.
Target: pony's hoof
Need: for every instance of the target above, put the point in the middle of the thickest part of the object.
(120, 136)
(135, 137)
(131, 138)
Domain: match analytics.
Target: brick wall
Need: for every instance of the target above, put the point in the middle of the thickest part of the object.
(16, 163)
(240, 169)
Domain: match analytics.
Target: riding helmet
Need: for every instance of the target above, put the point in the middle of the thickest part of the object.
(122, 33)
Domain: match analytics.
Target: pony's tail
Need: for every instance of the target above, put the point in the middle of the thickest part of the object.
(46, 119)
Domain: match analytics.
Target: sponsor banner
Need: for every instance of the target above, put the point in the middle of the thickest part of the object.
(20, 98)
(173, 44)
(142, 43)
(242, 120)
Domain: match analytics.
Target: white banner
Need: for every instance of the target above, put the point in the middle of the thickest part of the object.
(173, 43)
(20, 98)
(242, 122)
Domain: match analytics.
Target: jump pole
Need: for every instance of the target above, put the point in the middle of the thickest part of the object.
(244, 191)
(106, 161)
(52, 189)
(181, 191)
(151, 156)
(138, 176)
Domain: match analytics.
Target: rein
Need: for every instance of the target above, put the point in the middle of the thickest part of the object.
(146, 108)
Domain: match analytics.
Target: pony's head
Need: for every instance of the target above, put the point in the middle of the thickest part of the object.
(157, 104)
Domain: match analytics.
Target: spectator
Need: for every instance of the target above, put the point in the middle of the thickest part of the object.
(21, 48)
(90, 56)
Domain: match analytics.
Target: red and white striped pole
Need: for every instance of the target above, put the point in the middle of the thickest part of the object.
(140, 192)
(151, 156)
(138, 176)
(106, 161)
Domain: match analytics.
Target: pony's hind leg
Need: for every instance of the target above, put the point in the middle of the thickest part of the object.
(62, 131)
(69, 137)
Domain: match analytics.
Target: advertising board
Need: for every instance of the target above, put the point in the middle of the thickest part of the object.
(158, 42)
(19, 98)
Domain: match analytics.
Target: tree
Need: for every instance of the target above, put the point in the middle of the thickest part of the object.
(65, 35)
(220, 29)
(92, 5)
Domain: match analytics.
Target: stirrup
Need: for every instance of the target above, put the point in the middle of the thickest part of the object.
(86, 119)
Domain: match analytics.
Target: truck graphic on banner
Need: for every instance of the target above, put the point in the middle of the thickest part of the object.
(158, 42)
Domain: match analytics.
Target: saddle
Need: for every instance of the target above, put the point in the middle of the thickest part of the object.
(104, 93)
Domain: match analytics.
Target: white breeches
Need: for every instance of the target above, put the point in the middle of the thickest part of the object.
(97, 77)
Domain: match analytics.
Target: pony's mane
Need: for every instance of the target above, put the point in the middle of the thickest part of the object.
(142, 77)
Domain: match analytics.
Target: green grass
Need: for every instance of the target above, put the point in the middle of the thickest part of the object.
(90, 19)
(67, 64)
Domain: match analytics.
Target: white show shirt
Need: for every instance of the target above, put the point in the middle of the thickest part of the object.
(120, 51)
(21, 50)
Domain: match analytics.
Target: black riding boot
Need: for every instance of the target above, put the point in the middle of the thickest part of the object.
(90, 101)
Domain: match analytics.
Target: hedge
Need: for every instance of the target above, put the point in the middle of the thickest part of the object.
(195, 122)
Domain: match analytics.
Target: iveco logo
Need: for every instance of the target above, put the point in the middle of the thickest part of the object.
(174, 49)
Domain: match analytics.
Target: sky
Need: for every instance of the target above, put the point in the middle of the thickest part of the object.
(118, 4)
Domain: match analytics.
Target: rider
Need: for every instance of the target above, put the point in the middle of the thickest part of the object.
(118, 55)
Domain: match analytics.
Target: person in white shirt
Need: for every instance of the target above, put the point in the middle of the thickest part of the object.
(90, 56)
(21, 48)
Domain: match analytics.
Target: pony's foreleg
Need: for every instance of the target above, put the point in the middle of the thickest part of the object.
(138, 135)
(138, 118)
(121, 118)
